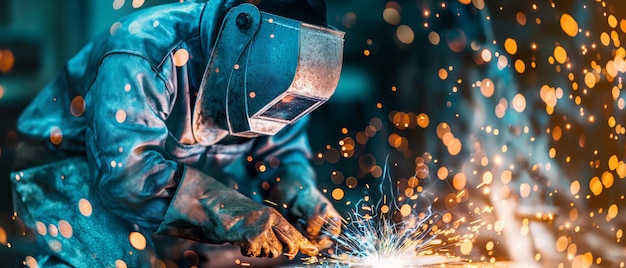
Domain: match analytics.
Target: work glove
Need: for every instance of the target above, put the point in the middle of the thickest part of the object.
(205, 210)
(303, 203)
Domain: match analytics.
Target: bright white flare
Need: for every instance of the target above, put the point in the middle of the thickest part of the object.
(373, 237)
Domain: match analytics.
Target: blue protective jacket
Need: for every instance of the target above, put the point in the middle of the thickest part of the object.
(115, 124)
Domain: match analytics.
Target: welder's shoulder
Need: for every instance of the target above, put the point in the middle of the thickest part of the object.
(153, 32)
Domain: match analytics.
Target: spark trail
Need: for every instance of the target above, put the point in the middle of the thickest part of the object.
(397, 232)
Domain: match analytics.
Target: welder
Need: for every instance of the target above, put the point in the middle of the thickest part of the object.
(185, 120)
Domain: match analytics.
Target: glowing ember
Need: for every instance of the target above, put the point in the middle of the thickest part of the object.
(511, 111)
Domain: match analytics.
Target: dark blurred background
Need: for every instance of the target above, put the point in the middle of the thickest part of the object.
(487, 73)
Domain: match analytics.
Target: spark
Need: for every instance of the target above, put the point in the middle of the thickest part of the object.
(394, 232)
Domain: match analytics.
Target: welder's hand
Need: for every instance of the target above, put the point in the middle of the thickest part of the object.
(321, 220)
(205, 210)
(301, 202)
(261, 231)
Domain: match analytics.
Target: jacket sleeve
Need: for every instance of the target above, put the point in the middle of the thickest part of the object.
(284, 157)
(126, 107)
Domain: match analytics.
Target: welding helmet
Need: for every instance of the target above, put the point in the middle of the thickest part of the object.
(265, 72)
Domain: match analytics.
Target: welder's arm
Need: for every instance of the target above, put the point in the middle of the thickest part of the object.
(205, 210)
(126, 133)
(293, 184)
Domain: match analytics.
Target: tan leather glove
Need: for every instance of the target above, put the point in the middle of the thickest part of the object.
(320, 217)
(306, 205)
(205, 210)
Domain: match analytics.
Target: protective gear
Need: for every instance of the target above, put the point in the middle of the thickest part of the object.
(205, 210)
(303, 201)
(265, 72)
(135, 126)
(123, 105)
